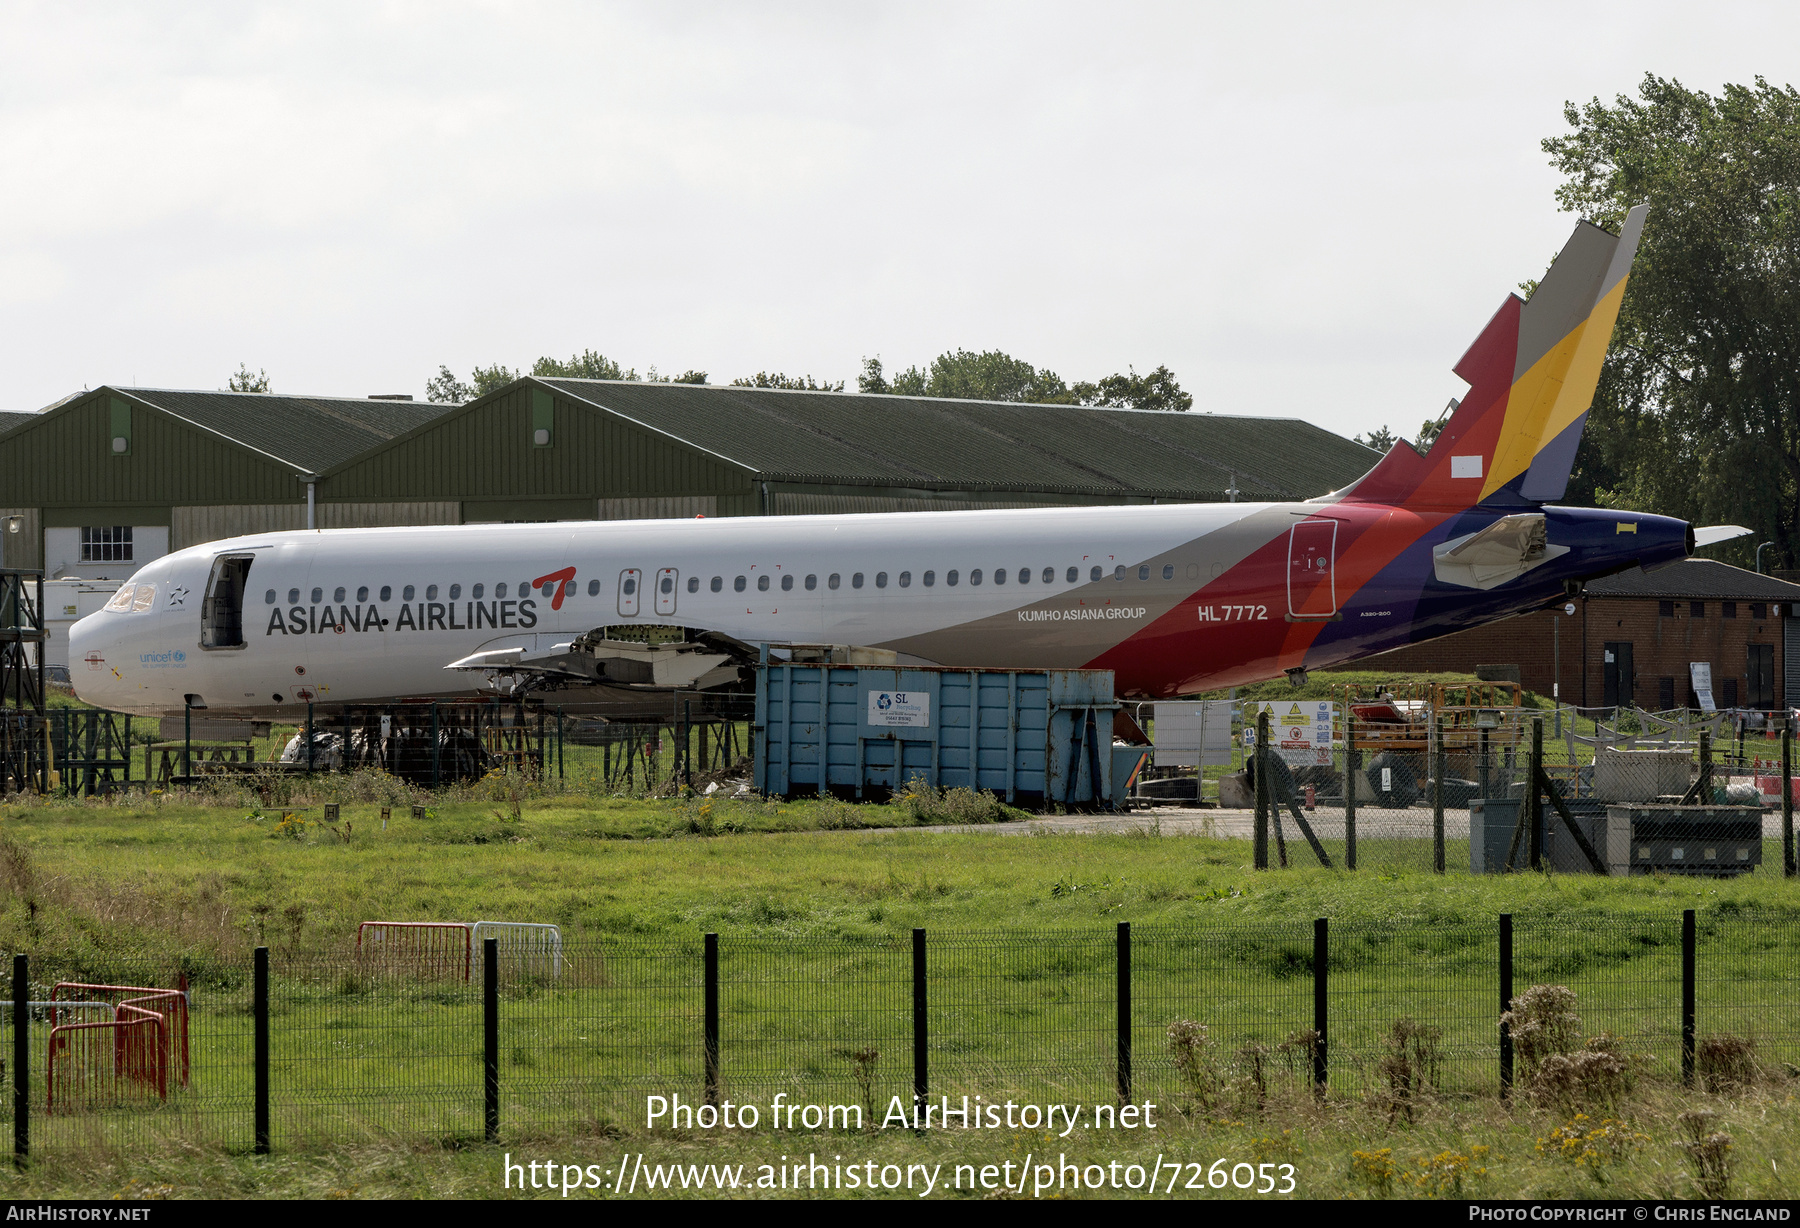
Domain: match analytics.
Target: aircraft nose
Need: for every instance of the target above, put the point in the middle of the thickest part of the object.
(82, 641)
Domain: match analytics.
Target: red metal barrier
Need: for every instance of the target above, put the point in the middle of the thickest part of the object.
(136, 1052)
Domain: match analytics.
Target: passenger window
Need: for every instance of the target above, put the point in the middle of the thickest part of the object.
(269, 597)
(500, 589)
(318, 595)
(930, 578)
(787, 584)
(476, 592)
(339, 595)
(1095, 574)
(362, 594)
(1168, 571)
(718, 583)
(762, 584)
(431, 592)
(666, 585)
(593, 589)
(1119, 572)
(387, 592)
(1024, 575)
(1144, 572)
(406, 594)
(950, 577)
(856, 580)
(630, 585)
(738, 585)
(1074, 575)
(455, 591)
(999, 575)
(1049, 575)
(812, 582)
(833, 582)
(975, 576)
(293, 596)
(906, 579)
(693, 584)
(881, 579)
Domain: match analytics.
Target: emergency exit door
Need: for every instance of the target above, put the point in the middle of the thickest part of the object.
(1311, 571)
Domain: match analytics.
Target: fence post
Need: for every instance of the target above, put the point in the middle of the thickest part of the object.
(21, 1055)
(1687, 997)
(559, 742)
(490, 1037)
(259, 1011)
(1506, 997)
(1788, 867)
(1351, 771)
(712, 1019)
(1321, 970)
(309, 737)
(1704, 795)
(1123, 1013)
(1260, 842)
(434, 745)
(187, 739)
(921, 1049)
(1437, 801)
(1534, 816)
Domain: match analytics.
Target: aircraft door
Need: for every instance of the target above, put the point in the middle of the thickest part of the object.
(629, 581)
(665, 590)
(1311, 574)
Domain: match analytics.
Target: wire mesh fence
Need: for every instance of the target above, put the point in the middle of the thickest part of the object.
(162, 1052)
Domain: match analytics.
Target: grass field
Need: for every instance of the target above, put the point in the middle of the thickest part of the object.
(814, 902)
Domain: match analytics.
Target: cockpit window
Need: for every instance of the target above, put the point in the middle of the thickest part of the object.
(145, 598)
(121, 600)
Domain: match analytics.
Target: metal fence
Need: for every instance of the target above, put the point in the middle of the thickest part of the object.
(299, 1049)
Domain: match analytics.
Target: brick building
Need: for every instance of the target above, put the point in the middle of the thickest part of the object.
(1633, 638)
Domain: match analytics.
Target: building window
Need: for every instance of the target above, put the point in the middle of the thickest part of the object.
(106, 544)
(1728, 609)
(1697, 609)
(1759, 609)
(1665, 609)
(1728, 693)
(1665, 694)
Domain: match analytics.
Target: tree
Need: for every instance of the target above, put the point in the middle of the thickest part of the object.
(798, 383)
(445, 389)
(1382, 440)
(585, 365)
(1157, 390)
(1698, 409)
(871, 379)
(247, 380)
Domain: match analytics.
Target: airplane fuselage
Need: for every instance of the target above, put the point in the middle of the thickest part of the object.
(1174, 599)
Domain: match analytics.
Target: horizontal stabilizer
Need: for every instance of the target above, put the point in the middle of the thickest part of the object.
(1503, 551)
(1713, 534)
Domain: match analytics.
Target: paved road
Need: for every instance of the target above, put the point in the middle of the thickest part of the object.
(1240, 824)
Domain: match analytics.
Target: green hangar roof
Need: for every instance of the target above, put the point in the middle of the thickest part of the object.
(985, 445)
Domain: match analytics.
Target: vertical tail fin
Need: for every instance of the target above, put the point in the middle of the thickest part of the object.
(1532, 374)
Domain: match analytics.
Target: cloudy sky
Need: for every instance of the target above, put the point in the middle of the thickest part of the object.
(1301, 209)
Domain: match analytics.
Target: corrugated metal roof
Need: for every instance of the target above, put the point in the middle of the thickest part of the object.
(917, 441)
(1695, 579)
(310, 433)
(9, 420)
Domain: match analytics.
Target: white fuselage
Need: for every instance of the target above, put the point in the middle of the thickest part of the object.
(358, 615)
